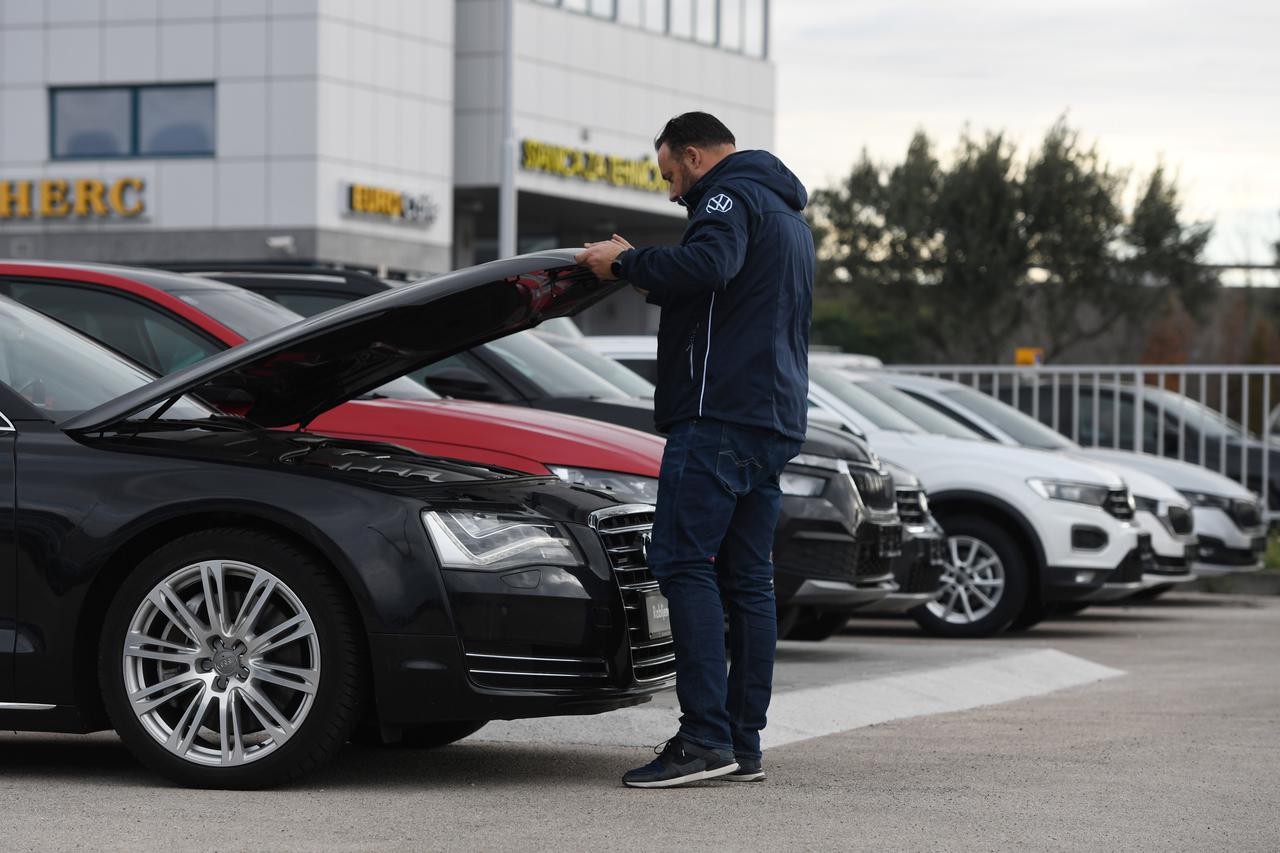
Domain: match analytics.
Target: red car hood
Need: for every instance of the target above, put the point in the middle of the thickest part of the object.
(514, 436)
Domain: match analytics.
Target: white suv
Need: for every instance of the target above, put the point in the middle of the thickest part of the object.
(1226, 517)
(1026, 530)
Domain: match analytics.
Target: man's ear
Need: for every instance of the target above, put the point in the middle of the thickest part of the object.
(693, 156)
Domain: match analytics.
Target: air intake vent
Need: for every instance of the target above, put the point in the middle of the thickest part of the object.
(910, 508)
(1180, 520)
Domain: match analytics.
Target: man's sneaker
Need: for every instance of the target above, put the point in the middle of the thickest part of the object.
(679, 763)
(749, 770)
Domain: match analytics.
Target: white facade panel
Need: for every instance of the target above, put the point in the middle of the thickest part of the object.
(21, 57)
(242, 119)
(186, 51)
(183, 194)
(73, 55)
(242, 48)
(240, 199)
(133, 53)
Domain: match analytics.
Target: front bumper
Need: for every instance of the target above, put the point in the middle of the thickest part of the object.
(1068, 583)
(917, 571)
(1224, 547)
(534, 641)
(830, 555)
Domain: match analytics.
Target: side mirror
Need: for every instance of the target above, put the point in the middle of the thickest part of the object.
(462, 383)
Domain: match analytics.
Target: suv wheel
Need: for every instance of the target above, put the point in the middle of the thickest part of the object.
(984, 585)
(229, 659)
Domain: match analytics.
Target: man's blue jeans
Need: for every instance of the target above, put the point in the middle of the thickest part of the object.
(718, 500)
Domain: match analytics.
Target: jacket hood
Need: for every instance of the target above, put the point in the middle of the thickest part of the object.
(758, 167)
(294, 374)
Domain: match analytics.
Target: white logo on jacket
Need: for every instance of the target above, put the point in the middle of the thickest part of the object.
(720, 204)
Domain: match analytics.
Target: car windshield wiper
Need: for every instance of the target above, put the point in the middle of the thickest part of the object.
(225, 423)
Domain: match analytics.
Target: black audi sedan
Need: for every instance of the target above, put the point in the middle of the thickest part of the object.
(234, 595)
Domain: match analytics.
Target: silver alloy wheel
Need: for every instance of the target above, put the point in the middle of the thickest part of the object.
(972, 584)
(221, 663)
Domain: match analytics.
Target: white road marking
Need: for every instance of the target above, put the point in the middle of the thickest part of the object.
(817, 711)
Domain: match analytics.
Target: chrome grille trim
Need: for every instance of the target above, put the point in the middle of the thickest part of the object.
(620, 530)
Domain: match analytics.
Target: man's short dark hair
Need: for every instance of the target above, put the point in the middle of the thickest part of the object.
(701, 130)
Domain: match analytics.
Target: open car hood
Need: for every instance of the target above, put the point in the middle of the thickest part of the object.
(294, 374)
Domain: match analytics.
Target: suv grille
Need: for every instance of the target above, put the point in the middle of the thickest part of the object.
(1180, 520)
(1119, 504)
(1245, 513)
(910, 507)
(513, 671)
(875, 488)
(625, 539)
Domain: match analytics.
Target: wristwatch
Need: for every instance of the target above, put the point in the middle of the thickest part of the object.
(615, 268)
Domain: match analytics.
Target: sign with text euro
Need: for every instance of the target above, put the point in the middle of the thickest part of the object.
(63, 198)
(391, 205)
(591, 166)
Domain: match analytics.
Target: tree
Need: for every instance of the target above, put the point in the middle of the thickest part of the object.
(923, 261)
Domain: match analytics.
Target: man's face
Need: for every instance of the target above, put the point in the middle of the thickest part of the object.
(677, 171)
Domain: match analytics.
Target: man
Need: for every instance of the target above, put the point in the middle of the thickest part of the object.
(736, 298)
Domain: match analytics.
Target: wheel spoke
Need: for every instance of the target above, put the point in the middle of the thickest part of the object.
(983, 597)
(214, 583)
(169, 652)
(995, 583)
(150, 698)
(176, 611)
(953, 545)
(968, 610)
(251, 608)
(261, 706)
(188, 726)
(973, 552)
(951, 602)
(292, 677)
(286, 632)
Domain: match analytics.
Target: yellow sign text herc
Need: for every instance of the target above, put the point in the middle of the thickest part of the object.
(59, 198)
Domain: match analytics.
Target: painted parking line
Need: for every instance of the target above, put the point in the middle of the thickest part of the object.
(811, 712)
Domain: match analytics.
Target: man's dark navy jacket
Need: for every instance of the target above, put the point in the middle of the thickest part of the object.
(736, 297)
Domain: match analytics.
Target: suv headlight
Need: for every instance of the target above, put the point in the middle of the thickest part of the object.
(1064, 490)
(804, 485)
(494, 540)
(1207, 500)
(629, 487)
(1151, 505)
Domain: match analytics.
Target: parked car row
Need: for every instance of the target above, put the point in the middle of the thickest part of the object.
(254, 512)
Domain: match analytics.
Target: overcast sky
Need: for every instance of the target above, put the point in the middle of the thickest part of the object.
(1194, 83)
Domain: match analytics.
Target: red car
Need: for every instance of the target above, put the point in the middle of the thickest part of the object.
(166, 321)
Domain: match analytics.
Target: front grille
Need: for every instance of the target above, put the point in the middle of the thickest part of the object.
(910, 506)
(625, 537)
(1119, 504)
(1245, 514)
(533, 672)
(875, 487)
(1175, 565)
(1180, 520)
(925, 571)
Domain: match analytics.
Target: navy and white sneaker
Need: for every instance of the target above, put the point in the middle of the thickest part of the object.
(749, 770)
(679, 763)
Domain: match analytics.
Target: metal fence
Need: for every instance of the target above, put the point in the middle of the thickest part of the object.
(1221, 417)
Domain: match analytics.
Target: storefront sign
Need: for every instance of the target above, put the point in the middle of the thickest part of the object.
(59, 198)
(393, 205)
(591, 166)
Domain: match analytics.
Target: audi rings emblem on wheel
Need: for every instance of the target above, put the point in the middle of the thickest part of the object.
(221, 663)
(972, 583)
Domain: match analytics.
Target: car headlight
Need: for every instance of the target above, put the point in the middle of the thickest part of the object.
(629, 487)
(492, 541)
(1207, 500)
(1064, 490)
(1150, 505)
(803, 485)
(813, 460)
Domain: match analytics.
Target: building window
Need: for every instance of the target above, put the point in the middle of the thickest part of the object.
(740, 26)
(132, 121)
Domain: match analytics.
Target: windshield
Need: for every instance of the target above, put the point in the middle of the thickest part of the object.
(853, 395)
(628, 380)
(553, 372)
(244, 312)
(1196, 415)
(1022, 428)
(63, 373)
(932, 420)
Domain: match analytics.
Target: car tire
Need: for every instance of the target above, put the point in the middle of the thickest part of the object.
(816, 627)
(261, 691)
(983, 555)
(1032, 614)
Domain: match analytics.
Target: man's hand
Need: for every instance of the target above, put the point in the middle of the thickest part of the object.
(598, 257)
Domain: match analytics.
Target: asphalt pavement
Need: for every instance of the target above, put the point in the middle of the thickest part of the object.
(1124, 728)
